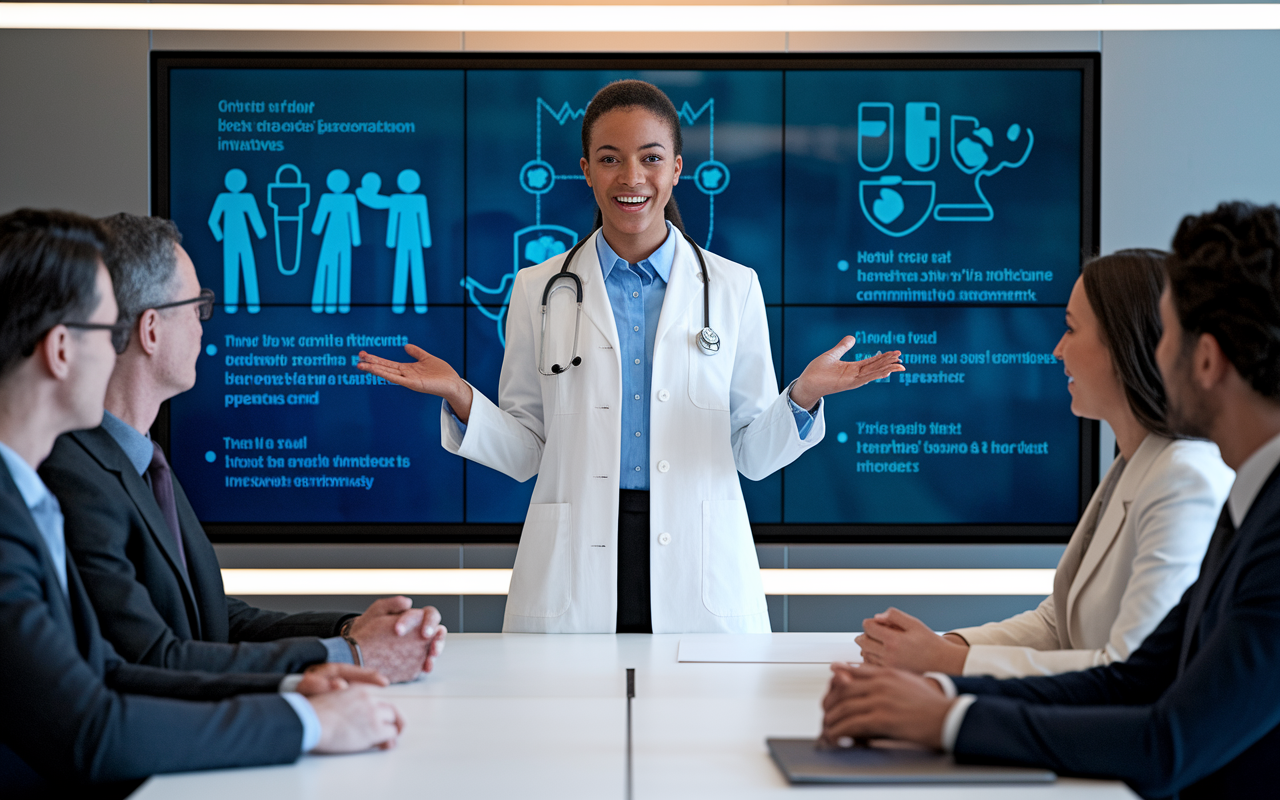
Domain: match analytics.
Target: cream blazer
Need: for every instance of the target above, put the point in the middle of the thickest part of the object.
(1145, 552)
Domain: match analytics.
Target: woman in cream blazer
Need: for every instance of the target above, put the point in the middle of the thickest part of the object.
(1141, 539)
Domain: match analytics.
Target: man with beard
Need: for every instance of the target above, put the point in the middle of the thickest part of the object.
(1195, 711)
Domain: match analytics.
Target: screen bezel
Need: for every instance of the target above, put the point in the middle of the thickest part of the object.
(1088, 63)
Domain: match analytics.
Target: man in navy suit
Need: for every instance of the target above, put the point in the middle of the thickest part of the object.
(1195, 711)
(138, 543)
(71, 710)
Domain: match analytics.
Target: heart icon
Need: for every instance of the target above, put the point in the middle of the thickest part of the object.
(889, 207)
(972, 153)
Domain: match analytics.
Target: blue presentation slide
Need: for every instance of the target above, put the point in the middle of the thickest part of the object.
(324, 208)
(978, 427)
(932, 187)
(335, 210)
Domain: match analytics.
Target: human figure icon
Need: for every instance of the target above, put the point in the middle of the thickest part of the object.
(233, 212)
(408, 232)
(339, 220)
(370, 185)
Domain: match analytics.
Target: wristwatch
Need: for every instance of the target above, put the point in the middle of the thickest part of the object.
(345, 632)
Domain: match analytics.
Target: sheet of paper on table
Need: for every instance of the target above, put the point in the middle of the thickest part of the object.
(770, 648)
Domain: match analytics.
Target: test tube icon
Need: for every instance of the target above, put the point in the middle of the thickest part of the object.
(923, 135)
(287, 200)
(875, 135)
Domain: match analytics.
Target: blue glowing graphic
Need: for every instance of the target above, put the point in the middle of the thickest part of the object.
(408, 233)
(338, 218)
(924, 136)
(875, 135)
(288, 199)
(233, 213)
(970, 156)
(898, 207)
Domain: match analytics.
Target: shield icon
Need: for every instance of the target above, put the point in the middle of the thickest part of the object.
(531, 245)
(894, 206)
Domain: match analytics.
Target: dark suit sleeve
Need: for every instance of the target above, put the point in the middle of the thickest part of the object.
(137, 679)
(250, 624)
(102, 527)
(245, 623)
(63, 720)
(1227, 699)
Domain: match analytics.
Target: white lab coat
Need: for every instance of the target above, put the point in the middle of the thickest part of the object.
(1145, 552)
(710, 417)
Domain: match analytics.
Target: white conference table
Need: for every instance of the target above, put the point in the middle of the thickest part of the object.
(542, 716)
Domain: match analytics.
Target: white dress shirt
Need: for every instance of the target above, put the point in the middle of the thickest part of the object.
(44, 509)
(1249, 479)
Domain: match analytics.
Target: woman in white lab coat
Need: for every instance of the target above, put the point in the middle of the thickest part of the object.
(1141, 538)
(635, 433)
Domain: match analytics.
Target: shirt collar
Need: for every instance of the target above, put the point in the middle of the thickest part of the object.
(1253, 473)
(659, 261)
(30, 486)
(137, 447)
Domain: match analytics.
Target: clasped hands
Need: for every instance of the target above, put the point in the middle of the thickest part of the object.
(398, 642)
(885, 697)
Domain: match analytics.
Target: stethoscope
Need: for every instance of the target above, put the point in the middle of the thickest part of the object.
(708, 340)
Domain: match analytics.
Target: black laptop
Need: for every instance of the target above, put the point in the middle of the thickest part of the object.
(808, 761)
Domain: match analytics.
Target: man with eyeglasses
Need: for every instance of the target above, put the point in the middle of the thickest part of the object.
(72, 712)
(145, 559)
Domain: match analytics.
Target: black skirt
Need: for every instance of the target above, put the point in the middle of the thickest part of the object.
(634, 615)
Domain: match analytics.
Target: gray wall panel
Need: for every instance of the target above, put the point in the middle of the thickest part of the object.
(824, 613)
(74, 121)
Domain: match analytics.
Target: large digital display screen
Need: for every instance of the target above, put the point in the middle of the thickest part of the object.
(935, 206)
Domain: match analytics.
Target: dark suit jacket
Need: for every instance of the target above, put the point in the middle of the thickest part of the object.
(152, 611)
(1195, 710)
(72, 710)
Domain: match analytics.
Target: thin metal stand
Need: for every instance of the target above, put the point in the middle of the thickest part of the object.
(631, 693)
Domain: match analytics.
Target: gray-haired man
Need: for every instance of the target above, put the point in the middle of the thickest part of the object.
(145, 559)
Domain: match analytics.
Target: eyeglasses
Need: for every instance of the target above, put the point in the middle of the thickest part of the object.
(119, 332)
(206, 301)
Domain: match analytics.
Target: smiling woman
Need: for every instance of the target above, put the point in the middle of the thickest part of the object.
(1140, 541)
(637, 523)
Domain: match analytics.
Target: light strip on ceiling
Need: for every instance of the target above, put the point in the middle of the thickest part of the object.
(776, 581)
(641, 18)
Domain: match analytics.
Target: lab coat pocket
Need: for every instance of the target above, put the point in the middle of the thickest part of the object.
(731, 585)
(709, 379)
(542, 581)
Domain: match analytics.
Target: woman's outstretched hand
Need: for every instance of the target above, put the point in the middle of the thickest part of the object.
(827, 374)
(426, 374)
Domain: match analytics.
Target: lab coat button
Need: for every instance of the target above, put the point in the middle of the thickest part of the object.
(663, 466)
(664, 538)
(664, 395)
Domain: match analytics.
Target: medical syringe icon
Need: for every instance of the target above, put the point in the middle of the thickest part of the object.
(287, 200)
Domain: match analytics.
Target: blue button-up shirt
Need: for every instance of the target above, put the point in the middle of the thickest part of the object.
(44, 509)
(636, 292)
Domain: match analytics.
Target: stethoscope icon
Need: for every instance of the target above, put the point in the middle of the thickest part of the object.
(708, 340)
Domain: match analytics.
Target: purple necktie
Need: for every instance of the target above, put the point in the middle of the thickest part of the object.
(162, 486)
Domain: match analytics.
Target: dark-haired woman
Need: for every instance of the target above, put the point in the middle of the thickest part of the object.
(637, 416)
(1141, 539)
